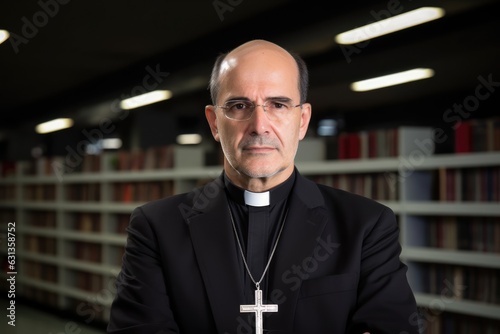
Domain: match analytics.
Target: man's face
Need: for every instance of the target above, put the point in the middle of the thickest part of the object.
(260, 147)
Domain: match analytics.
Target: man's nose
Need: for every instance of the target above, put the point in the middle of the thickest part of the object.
(259, 120)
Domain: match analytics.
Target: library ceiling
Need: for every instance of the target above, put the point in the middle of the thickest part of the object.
(78, 59)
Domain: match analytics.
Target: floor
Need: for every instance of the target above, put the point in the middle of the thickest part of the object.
(33, 320)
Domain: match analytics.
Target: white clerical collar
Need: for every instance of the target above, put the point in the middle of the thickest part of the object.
(257, 199)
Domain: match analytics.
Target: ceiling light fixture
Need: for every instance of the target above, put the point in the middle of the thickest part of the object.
(54, 125)
(4, 35)
(390, 25)
(392, 79)
(111, 143)
(189, 139)
(145, 99)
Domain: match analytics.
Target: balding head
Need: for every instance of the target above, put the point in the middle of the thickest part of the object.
(259, 53)
(257, 47)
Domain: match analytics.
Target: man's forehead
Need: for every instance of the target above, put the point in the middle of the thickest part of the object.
(256, 57)
(227, 65)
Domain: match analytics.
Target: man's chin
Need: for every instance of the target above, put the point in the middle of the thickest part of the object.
(262, 171)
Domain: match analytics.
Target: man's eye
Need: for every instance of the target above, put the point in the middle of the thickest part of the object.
(278, 105)
(239, 106)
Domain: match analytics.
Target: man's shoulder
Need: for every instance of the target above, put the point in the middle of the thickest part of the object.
(166, 202)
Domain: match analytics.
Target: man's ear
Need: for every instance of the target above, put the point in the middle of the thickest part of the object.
(212, 121)
(305, 118)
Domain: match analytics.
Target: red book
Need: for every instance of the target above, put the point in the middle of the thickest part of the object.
(127, 195)
(354, 146)
(372, 144)
(343, 146)
(463, 138)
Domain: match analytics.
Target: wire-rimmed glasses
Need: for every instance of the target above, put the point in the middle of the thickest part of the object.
(242, 110)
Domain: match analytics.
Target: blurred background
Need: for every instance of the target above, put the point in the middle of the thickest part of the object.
(80, 61)
(77, 59)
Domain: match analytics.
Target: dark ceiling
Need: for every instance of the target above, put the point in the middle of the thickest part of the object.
(78, 58)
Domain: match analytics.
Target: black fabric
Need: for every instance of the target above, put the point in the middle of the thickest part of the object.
(258, 229)
(336, 268)
(257, 252)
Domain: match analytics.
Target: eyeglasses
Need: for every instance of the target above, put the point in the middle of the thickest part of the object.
(241, 110)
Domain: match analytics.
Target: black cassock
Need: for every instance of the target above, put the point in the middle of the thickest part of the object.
(258, 227)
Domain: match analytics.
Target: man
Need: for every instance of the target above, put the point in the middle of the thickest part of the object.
(262, 248)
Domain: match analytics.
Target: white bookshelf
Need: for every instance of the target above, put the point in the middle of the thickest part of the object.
(467, 307)
(413, 205)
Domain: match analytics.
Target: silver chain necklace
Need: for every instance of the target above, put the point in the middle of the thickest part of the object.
(258, 308)
(257, 284)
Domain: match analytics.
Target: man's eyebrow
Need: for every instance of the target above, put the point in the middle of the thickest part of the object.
(238, 98)
(279, 99)
(270, 98)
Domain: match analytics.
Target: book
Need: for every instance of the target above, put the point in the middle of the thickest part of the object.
(463, 137)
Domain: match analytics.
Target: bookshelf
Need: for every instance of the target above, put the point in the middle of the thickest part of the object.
(71, 230)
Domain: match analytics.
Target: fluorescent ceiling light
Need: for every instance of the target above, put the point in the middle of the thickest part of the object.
(145, 99)
(390, 25)
(189, 139)
(54, 125)
(111, 143)
(4, 35)
(392, 79)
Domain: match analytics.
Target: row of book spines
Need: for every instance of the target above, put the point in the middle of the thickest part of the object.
(122, 192)
(83, 192)
(376, 186)
(478, 135)
(91, 282)
(39, 295)
(86, 251)
(142, 191)
(40, 271)
(439, 322)
(45, 166)
(469, 184)
(474, 234)
(92, 222)
(39, 192)
(452, 184)
(461, 282)
(40, 244)
(161, 157)
(82, 221)
(83, 280)
(82, 251)
(8, 192)
(60, 165)
(7, 215)
(39, 218)
(368, 144)
(75, 192)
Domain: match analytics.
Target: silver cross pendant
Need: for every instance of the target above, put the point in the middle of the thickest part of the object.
(258, 308)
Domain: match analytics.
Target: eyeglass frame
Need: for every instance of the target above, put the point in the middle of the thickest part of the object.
(254, 106)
